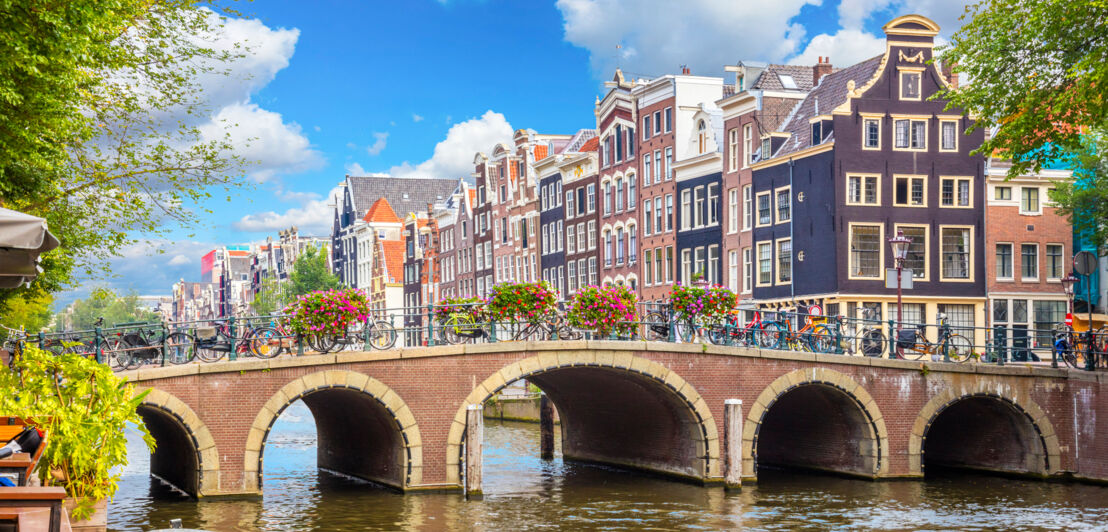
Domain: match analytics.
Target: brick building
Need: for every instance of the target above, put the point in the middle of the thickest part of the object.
(619, 214)
(580, 181)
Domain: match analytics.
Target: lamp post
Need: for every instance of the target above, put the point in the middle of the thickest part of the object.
(900, 252)
(1067, 285)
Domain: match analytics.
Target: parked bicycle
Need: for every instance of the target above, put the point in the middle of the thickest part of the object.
(864, 336)
(912, 343)
(213, 343)
(733, 332)
(1072, 347)
(138, 345)
(657, 325)
(814, 336)
(549, 326)
(379, 334)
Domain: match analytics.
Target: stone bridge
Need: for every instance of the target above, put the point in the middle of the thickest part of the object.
(399, 417)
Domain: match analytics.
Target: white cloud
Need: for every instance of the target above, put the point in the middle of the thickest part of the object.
(846, 47)
(262, 137)
(355, 169)
(453, 156)
(179, 260)
(416, 118)
(378, 146)
(657, 36)
(313, 217)
(854, 13)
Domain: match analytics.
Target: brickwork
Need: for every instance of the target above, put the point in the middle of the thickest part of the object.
(1007, 225)
(647, 405)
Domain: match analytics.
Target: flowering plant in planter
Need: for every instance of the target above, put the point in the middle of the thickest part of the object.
(473, 307)
(328, 312)
(705, 303)
(605, 309)
(521, 301)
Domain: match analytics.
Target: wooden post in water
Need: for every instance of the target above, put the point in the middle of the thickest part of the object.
(546, 428)
(475, 435)
(733, 443)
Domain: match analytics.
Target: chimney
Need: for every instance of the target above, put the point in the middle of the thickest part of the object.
(685, 70)
(950, 75)
(822, 68)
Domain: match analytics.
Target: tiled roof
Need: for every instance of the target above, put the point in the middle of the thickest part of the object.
(237, 253)
(381, 212)
(404, 194)
(472, 198)
(770, 79)
(540, 152)
(592, 144)
(394, 259)
(830, 93)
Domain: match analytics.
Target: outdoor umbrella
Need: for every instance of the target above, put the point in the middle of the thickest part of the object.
(22, 239)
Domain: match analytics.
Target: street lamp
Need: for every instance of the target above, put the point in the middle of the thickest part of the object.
(1068, 283)
(900, 245)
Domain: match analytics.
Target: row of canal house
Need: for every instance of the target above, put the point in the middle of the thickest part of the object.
(784, 185)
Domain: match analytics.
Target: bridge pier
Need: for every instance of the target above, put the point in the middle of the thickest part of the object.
(546, 428)
(475, 436)
(733, 443)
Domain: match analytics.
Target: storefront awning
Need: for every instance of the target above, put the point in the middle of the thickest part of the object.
(22, 239)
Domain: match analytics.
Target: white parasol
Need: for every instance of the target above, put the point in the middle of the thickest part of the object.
(22, 239)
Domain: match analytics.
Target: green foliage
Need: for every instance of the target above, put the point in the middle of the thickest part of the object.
(326, 313)
(470, 306)
(82, 314)
(605, 309)
(84, 408)
(31, 314)
(270, 298)
(1085, 199)
(100, 114)
(706, 303)
(521, 301)
(310, 274)
(1037, 70)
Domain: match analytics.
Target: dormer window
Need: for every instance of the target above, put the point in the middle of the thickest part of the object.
(817, 132)
(702, 136)
(766, 148)
(909, 85)
(787, 81)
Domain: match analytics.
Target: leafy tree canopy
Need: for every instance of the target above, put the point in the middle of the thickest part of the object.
(82, 314)
(309, 273)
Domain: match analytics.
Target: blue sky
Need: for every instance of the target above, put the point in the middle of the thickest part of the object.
(416, 87)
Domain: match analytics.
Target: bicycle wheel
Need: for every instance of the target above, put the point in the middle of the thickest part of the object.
(686, 330)
(207, 354)
(871, 343)
(455, 327)
(531, 331)
(1072, 353)
(180, 348)
(656, 325)
(382, 335)
(821, 339)
(266, 342)
(771, 335)
(913, 351)
(565, 332)
(113, 355)
(959, 348)
(323, 343)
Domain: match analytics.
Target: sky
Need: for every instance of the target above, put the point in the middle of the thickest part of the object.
(415, 88)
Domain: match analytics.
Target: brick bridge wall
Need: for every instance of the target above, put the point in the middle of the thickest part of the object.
(397, 417)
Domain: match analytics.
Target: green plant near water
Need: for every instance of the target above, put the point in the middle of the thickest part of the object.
(84, 408)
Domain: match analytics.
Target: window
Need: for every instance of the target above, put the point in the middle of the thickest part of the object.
(648, 265)
(607, 198)
(570, 210)
(1048, 314)
(581, 202)
(784, 261)
(607, 248)
(698, 207)
(713, 204)
(648, 217)
(909, 86)
(784, 206)
(619, 143)
(657, 166)
(669, 119)
(764, 209)
(765, 263)
(560, 232)
(911, 134)
(669, 164)
(581, 237)
(572, 277)
(686, 266)
(571, 240)
(658, 278)
(646, 170)
(748, 208)
(1029, 261)
(948, 138)
(619, 246)
(871, 133)
(658, 228)
(699, 265)
(702, 136)
(767, 148)
(865, 251)
(669, 212)
(686, 209)
(917, 250)
(619, 195)
(657, 122)
(592, 270)
(632, 244)
(1029, 200)
(582, 273)
(1002, 193)
(1004, 261)
(748, 145)
(910, 191)
(542, 202)
(748, 269)
(605, 150)
(956, 252)
(733, 149)
(733, 271)
(955, 192)
(632, 199)
(1054, 264)
(817, 132)
(669, 264)
(646, 127)
(861, 190)
(733, 210)
(592, 234)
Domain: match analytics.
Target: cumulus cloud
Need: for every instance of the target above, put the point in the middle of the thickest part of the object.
(179, 260)
(655, 37)
(313, 217)
(262, 137)
(355, 169)
(378, 146)
(453, 156)
(416, 118)
(845, 48)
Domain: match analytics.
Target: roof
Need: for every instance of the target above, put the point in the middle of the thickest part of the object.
(592, 144)
(472, 198)
(237, 253)
(404, 194)
(829, 94)
(394, 260)
(540, 152)
(770, 78)
(381, 212)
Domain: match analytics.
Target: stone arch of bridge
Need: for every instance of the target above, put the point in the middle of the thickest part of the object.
(832, 423)
(655, 412)
(984, 427)
(364, 429)
(186, 454)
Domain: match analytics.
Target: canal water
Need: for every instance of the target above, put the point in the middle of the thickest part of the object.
(526, 493)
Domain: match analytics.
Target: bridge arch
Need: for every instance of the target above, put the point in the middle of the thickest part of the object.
(986, 428)
(830, 421)
(682, 412)
(384, 447)
(186, 455)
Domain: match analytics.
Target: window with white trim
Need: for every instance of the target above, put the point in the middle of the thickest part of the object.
(865, 251)
(871, 131)
(956, 245)
(910, 134)
(948, 135)
(733, 149)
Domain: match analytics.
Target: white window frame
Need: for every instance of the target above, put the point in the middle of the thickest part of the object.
(911, 178)
(865, 131)
(881, 244)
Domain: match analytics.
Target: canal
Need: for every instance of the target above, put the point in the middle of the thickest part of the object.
(523, 492)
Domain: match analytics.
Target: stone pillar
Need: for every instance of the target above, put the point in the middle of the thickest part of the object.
(546, 428)
(475, 435)
(733, 442)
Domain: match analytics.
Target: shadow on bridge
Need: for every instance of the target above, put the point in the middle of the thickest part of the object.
(986, 433)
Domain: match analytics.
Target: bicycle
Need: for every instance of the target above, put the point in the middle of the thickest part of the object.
(547, 327)
(731, 332)
(213, 343)
(14, 340)
(950, 345)
(658, 321)
(815, 336)
(134, 348)
(869, 340)
(1072, 347)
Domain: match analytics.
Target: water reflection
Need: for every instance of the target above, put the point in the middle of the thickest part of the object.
(523, 492)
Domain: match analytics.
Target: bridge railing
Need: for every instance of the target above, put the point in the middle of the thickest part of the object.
(133, 345)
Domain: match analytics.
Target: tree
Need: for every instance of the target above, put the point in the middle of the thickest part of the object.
(270, 298)
(309, 273)
(31, 315)
(1039, 76)
(82, 314)
(100, 124)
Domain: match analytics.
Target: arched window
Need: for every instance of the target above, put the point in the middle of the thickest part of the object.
(619, 194)
(702, 135)
(607, 197)
(607, 248)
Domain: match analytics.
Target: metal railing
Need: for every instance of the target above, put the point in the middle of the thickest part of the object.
(134, 345)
